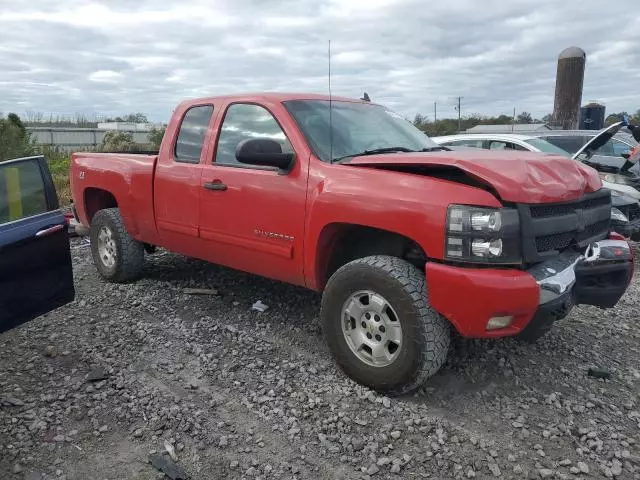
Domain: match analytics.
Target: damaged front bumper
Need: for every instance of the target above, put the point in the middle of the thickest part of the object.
(543, 294)
(630, 229)
(599, 277)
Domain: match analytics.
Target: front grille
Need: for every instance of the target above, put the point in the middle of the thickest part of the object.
(553, 242)
(597, 228)
(550, 228)
(550, 211)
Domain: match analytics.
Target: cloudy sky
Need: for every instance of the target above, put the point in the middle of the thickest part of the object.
(121, 56)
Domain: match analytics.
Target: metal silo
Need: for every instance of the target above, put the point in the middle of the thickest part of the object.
(569, 81)
(592, 116)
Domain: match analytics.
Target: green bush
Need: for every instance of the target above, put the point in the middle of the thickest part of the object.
(15, 142)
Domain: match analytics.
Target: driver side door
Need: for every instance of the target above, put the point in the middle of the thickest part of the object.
(252, 217)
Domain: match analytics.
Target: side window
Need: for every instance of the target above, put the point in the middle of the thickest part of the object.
(22, 191)
(244, 121)
(496, 145)
(467, 143)
(192, 132)
(619, 147)
(515, 146)
(606, 150)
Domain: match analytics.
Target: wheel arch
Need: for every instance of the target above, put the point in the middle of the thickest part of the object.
(341, 243)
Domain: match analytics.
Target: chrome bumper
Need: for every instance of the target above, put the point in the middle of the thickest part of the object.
(557, 276)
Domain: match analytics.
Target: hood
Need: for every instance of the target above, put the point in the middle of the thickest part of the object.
(516, 176)
(599, 140)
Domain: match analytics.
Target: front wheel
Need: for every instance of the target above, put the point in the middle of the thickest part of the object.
(117, 256)
(380, 327)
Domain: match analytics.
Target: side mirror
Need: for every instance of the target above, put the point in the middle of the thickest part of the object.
(264, 152)
(626, 155)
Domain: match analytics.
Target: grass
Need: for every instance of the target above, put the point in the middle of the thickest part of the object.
(59, 161)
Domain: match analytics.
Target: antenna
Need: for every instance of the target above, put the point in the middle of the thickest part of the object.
(330, 108)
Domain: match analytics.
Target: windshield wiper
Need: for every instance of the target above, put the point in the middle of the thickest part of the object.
(435, 149)
(374, 151)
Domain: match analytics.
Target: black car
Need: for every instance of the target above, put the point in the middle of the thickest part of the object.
(35, 260)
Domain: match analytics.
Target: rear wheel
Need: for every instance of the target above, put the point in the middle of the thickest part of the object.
(117, 256)
(379, 326)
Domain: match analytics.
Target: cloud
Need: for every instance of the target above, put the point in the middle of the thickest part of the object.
(106, 76)
(117, 56)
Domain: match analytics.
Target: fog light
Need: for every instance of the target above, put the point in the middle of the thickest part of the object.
(499, 322)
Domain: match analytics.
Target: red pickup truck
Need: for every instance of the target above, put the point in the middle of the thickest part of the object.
(405, 238)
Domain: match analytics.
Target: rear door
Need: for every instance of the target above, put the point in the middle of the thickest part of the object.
(35, 262)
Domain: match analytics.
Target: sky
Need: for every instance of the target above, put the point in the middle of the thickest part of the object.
(120, 56)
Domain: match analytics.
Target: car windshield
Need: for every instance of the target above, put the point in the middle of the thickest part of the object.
(547, 147)
(355, 128)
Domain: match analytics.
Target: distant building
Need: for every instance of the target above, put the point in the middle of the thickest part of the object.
(518, 127)
(592, 116)
(569, 82)
(128, 126)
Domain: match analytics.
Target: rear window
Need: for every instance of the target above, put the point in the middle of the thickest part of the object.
(569, 144)
(22, 191)
(192, 132)
(547, 147)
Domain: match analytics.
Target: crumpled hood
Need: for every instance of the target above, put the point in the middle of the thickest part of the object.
(516, 176)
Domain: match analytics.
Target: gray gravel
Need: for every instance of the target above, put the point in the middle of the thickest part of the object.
(94, 389)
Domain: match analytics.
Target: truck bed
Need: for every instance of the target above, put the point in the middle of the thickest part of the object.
(129, 179)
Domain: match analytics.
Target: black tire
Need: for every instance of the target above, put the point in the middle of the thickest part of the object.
(129, 253)
(425, 333)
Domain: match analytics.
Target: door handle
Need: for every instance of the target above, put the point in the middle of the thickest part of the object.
(48, 231)
(215, 185)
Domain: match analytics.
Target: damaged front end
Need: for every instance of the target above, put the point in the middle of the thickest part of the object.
(598, 277)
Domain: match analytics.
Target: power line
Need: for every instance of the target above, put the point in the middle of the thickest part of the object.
(459, 109)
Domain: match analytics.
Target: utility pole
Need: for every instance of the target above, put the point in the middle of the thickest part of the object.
(513, 122)
(459, 114)
(435, 110)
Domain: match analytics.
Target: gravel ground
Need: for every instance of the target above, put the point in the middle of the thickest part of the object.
(236, 393)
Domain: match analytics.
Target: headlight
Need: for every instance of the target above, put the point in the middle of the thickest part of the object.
(616, 214)
(616, 178)
(482, 235)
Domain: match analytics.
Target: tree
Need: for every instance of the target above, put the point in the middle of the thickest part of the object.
(524, 117)
(131, 117)
(419, 120)
(615, 117)
(156, 135)
(15, 141)
(115, 141)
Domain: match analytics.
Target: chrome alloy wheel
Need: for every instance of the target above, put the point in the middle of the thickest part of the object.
(107, 247)
(371, 328)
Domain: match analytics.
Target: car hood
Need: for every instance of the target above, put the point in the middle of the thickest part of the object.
(599, 140)
(516, 176)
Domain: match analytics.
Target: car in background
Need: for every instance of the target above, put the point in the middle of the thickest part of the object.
(609, 154)
(624, 197)
(36, 275)
(625, 183)
(505, 141)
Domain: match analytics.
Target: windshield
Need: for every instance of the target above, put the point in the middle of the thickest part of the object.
(547, 147)
(355, 128)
